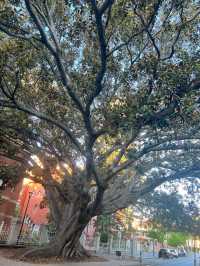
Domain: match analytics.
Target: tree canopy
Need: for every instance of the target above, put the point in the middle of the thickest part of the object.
(105, 95)
(177, 239)
(171, 212)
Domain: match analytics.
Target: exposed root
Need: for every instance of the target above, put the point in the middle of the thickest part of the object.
(69, 252)
(74, 251)
(43, 252)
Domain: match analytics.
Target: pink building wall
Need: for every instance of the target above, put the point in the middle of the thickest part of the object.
(33, 197)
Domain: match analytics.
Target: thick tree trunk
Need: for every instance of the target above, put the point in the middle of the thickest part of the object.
(71, 249)
(67, 240)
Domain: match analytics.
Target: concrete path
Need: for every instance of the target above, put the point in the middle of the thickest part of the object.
(8, 262)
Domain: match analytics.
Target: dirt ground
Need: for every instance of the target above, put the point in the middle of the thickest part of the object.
(17, 253)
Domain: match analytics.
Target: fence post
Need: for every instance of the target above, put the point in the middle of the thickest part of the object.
(98, 243)
(153, 247)
(195, 252)
(120, 238)
(110, 244)
(14, 231)
(131, 247)
(43, 235)
(141, 250)
(1, 226)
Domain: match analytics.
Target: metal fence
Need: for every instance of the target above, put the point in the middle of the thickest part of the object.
(16, 233)
(26, 234)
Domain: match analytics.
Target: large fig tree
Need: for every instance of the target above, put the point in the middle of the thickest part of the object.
(104, 92)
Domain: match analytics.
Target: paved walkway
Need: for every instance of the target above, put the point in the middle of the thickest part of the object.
(8, 262)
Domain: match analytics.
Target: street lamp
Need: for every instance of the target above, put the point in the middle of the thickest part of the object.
(24, 217)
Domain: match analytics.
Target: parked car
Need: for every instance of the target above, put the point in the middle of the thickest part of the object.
(182, 252)
(164, 253)
(174, 253)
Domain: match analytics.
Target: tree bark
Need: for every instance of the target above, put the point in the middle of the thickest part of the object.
(66, 243)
